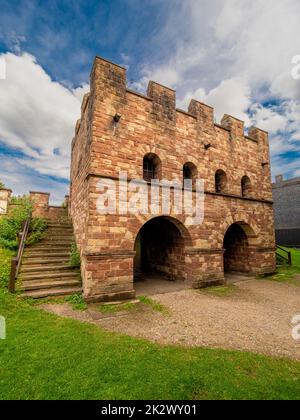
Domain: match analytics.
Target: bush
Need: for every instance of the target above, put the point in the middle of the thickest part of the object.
(75, 257)
(12, 224)
(36, 230)
(77, 302)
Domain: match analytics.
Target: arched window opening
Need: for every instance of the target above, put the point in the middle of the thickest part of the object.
(151, 167)
(190, 172)
(246, 186)
(221, 181)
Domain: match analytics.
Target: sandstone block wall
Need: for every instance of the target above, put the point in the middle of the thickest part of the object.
(151, 123)
(5, 195)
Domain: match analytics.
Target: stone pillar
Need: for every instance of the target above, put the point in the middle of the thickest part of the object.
(108, 276)
(5, 195)
(262, 260)
(265, 184)
(40, 203)
(67, 203)
(163, 102)
(233, 124)
(205, 267)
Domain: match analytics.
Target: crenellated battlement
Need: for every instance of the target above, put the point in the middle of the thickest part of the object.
(121, 125)
(109, 84)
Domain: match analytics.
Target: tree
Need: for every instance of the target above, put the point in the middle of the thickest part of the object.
(1, 185)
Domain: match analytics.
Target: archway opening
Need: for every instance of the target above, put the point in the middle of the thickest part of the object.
(236, 246)
(151, 167)
(159, 263)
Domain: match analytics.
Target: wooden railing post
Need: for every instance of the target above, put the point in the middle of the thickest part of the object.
(16, 262)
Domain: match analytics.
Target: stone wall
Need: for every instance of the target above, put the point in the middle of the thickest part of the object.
(105, 145)
(5, 195)
(41, 207)
(286, 195)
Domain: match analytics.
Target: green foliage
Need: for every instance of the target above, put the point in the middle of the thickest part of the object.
(223, 291)
(154, 305)
(109, 308)
(12, 224)
(36, 230)
(5, 265)
(75, 257)
(286, 273)
(77, 302)
(1, 185)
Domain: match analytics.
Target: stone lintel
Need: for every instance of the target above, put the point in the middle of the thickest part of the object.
(118, 254)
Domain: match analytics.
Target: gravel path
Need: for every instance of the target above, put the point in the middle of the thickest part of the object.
(256, 316)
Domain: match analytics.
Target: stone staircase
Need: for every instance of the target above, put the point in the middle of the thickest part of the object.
(45, 269)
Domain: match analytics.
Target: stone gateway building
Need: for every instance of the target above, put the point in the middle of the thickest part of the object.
(148, 138)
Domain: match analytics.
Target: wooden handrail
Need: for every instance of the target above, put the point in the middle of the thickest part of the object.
(288, 257)
(16, 262)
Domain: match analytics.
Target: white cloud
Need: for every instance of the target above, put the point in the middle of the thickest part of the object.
(235, 55)
(38, 115)
(22, 179)
(232, 97)
(268, 119)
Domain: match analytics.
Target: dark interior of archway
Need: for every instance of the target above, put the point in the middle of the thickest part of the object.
(236, 256)
(159, 250)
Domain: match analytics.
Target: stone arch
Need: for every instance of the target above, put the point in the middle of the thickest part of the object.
(236, 244)
(160, 248)
(247, 222)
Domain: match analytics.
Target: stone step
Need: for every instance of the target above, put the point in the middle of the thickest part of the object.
(61, 291)
(58, 237)
(53, 274)
(45, 261)
(44, 267)
(55, 240)
(59, 225)
(45, 249)
(48, 243)
(41, 254)
(39, 285)
(58, 234)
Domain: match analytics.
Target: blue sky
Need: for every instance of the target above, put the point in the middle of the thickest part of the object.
(236, 56)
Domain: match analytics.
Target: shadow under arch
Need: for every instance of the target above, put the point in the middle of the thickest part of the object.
(160, 249)
(238, 238)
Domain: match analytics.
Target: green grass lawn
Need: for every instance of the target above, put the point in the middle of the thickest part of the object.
(47, 357)
(286, 273)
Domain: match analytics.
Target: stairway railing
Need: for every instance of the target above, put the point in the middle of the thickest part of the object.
(283, 255)
(16, 262)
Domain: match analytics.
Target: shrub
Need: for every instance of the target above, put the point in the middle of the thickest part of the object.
(75, 257)
(36, 230)
(11, 225)
(1, 185)
(77, 302)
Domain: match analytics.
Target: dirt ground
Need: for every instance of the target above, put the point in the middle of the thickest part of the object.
(253, 315)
